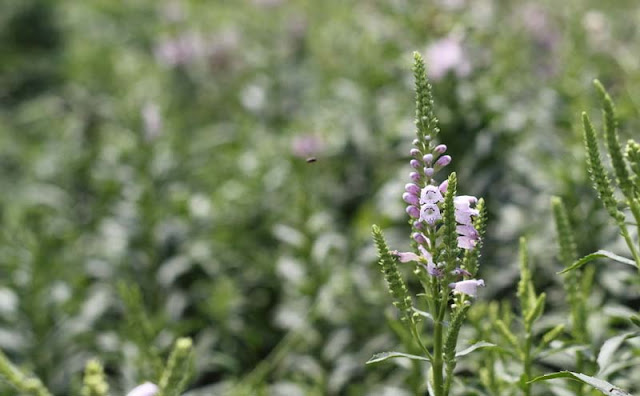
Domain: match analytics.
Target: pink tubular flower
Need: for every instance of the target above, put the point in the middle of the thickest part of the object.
(423, 259)
(468, 287)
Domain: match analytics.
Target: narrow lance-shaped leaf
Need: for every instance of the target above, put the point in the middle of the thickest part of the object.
(382, 356)
(597, 255)
(605, 357)
(601, 385)
(477, 345)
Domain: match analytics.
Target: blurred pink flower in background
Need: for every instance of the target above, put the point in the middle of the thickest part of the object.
(304, 146)
(151, 120)
(445, 55)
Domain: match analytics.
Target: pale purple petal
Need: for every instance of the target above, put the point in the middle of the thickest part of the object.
(431, 195)
(464, 242)
(468, 231)
(146, 389)
(433, 270)
(430, 213)
(441, 148)
(468, 287)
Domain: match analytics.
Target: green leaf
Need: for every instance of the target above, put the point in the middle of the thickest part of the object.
(477, 345)
(597, 255)
(379, 357)
(602, 386)
(635, 319)
(610, 347)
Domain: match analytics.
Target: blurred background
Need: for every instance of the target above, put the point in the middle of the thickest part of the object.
(153, 153)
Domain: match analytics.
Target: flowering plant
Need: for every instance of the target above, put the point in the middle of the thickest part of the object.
(446, 237)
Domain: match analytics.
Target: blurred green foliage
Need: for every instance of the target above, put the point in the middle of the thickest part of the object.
(163, 143)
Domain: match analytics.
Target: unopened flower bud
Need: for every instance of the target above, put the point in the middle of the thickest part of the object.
(413, 211)
(428, 172)
(414, 152)
(415, 176)
(412, 188)
(443, 161)
(410, 198)
(415, 142)
(428, 158)
(440, 149)
(443, 187)
(415, 164)
(418, 225)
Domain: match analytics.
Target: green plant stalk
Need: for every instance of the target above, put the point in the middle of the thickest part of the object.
(627, 238)
(437, 362)
(527, 362)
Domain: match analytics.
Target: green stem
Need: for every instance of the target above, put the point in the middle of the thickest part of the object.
(527, 364)
(436, 365)
(632, 248)
(580, 368)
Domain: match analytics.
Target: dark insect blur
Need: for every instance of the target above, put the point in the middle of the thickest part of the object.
(311, 159)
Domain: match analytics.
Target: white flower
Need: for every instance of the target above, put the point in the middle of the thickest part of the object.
(146, 389)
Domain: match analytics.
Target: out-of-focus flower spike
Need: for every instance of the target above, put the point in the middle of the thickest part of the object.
(613, 143)
(94, 383)
(389, 268)
(632, 153)
(426, 122)
(175, 375)
(598, 174)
